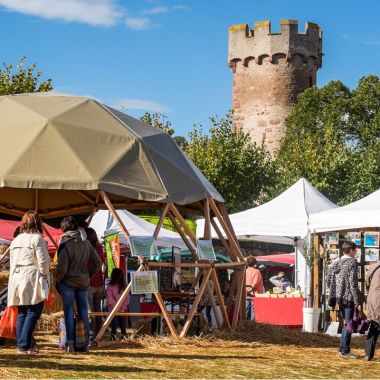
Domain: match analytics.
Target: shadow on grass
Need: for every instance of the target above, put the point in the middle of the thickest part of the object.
(250, 331)
(41, 362)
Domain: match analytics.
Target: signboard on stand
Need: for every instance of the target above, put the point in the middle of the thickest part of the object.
(143, 246)
(144, 282)
(205, 250)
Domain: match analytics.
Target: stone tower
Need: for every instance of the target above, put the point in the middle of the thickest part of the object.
(269, 71)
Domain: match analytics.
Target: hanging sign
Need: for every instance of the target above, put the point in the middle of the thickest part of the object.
(112, 243)
(144, 282)
(205, 250)
(143, 246)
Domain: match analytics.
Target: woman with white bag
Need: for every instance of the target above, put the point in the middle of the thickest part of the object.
(29, 279)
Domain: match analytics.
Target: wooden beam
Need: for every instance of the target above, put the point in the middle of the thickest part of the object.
(220, 297)
(232, 289)
(226, 246)
(182, 223)
(91, 215)
(114, 213)
(36, 200)
(213, 304)
(12, 211)
(226, 217)
(225, 227)
(120, 302)
(195, 304)
(239, 289)
(5, 254)
(207, 226)
(65, 212)
(85, 196)
(49, 235)
(183, 236)
(168, 320)
(161, 221)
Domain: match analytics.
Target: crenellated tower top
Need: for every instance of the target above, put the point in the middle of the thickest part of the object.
(246, 45)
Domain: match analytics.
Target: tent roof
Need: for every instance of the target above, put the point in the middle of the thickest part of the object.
(286, 215)
(59, 142)
(105, 224)
(360, 214)
(283, 258)
(7, 228)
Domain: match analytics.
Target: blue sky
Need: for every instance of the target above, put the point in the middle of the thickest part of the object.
(171, 55)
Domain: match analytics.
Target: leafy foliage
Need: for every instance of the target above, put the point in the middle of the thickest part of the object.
(20, 79)
(158, 121)
(332, 139)
(240, 170)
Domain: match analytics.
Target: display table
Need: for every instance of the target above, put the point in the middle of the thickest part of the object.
(278, 311)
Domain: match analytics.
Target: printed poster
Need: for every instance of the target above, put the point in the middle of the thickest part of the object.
(143, 246)
(205, 250)
(144, 282)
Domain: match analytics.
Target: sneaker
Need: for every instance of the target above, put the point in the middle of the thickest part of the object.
(349, 355)
(368, 358)
(70, 348)
(33, 351)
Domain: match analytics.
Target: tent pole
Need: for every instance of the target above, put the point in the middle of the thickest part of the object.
(91, 215)
(161, 221)
(227, 219)
(49, 235)
(207, 227)
(240, 275)
(183, 236)
(115, 309)
(36, 200)
(231, 239)
(113, 212)
(194, 306)
(182, 222)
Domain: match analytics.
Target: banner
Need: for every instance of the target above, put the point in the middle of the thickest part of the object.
(112, 243)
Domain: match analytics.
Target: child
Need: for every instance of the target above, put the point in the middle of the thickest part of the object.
(115, 289)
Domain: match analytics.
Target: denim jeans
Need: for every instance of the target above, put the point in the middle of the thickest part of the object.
(70, 294)
(208, 313)
(249, 310)
(345, 340)
(27, 318)
(370, 344)
(121, 322)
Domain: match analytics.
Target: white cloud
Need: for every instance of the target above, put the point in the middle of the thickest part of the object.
(156, 10)
(93, 12)
(140, 104)
(138, 23)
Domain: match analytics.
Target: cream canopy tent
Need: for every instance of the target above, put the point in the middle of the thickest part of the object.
(76, 144)
(104, 223)
(68, 154)
(360, 214)
(284, 219)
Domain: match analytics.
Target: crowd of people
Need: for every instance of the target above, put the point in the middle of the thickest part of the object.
(79, 281)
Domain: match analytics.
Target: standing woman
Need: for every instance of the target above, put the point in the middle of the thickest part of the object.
(372, 280)
(96, 292)
(29, 279)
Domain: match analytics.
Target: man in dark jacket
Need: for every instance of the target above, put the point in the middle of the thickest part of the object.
(73, 276)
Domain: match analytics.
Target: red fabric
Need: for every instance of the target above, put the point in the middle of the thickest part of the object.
(286, 258)
(7, 228)
(8, 323)
(149, 308)
(278, 311)
(98, 278)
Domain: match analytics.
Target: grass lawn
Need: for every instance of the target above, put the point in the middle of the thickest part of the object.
(254, 351)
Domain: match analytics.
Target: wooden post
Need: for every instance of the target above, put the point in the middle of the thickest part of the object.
(168, 320)
(316, 303)
(227, 247)
(115, 309)
(219, 295)
(213, 304)
(183, 236)
(36, 195)
(207, 227)
(113, 212)
(161, 221)
(49, 235)
(240, 278)
(224, 225)
(194, 306)
(182, 222)
(91, 215)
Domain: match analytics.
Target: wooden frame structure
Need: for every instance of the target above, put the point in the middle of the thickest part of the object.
(208, 208)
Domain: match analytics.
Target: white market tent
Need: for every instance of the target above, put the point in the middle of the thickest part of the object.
(105, 224)
(360, 214)
(284, 219)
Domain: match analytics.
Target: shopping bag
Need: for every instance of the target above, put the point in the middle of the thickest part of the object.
(81, 343)
(49, 302)
(62, 334)
(8, 323)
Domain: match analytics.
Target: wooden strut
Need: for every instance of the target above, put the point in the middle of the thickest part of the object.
(5, 254)
(161, 221)
(49, 235)
(207, 227)
(227, 247)
(36, 200)
(195, 304)
(219, 295)
(182, 222)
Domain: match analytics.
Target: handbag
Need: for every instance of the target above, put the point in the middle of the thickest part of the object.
(8, 322)
(357, 324)
(81, 342)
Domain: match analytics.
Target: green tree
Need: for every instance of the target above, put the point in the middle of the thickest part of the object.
(21, 79)
(181, 142)
(332, 139)
(240, 170)
(158, 121)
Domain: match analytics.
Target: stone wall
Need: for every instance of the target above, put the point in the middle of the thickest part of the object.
(269, 71)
